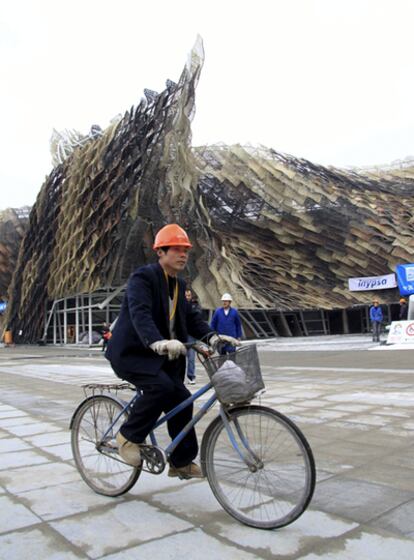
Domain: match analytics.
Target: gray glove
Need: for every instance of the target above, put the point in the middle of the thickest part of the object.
(174, 348)
(215, 339)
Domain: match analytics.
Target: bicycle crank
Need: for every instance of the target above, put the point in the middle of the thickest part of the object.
(154, 457)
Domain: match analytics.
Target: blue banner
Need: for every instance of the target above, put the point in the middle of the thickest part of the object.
(405, 278)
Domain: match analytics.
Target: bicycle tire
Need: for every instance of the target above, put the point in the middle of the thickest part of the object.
(102, 471)
(277, 493)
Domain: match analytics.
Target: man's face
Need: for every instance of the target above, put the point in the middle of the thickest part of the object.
(226, 304)
(175, 258)
(375, 303)
(188, 295)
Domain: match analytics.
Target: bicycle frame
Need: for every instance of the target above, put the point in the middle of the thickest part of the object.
(196, 418)
(249, 458)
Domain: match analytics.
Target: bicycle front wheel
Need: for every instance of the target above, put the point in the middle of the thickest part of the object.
(278, 486)
(97, 457)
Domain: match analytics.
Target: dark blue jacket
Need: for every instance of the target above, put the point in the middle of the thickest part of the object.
(143, 319)
(375, 313)
(227, 324)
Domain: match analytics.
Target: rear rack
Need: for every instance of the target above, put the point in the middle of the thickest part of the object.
(92, 389)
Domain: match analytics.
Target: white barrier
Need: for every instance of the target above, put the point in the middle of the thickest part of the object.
(401, 332)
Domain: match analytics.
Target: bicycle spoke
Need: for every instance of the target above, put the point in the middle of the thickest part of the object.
(102, 471)
(281, 487)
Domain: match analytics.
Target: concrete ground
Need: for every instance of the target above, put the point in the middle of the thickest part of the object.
(354, 405)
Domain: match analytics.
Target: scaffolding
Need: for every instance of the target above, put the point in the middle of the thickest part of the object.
(79, 319)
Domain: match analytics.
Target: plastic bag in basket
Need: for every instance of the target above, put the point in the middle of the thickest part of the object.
(230, 383)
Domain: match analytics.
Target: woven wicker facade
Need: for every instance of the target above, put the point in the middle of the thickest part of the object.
(276, 231)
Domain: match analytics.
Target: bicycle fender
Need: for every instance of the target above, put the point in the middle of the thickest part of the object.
(113, 397)
(206, 435)
(216, 421)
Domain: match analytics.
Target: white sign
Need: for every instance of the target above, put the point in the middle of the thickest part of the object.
(372, 283)
(401, 332)
(410, 273)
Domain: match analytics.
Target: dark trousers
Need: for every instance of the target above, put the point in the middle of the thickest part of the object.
(376, 330)
(161, 393)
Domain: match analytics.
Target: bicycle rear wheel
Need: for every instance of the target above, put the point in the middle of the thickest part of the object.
(97, 460)
(281, 487)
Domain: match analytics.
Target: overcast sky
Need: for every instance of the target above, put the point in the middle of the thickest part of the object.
(328, 80)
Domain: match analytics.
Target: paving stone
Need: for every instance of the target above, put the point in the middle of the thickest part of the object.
(311, 529)
(50, 439)
(313, 403)
(193, 501)
(345, 425)
(38, 476)
(359, 451)
(191, 544)
(375, 397)
(350, 407)
(393, 411)
(17, 421)
(123, 525)
(363, 470)
(381, 473)
(398, 431)
(398, 520)
(11, 414)
(32, 429)
(14, 515)
(62, 451)
(370, 419)
(366, 545)
(13, 444)
(5, 407)
(55, 502)
(20, 459)
(40, 543)
(356, 499)
(402, 458)
(380, 438)
(149, 484)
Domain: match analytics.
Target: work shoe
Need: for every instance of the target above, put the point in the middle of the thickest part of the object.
(128, 450)
(189, 471)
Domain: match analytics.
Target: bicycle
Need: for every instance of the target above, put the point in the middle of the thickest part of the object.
(258, 463)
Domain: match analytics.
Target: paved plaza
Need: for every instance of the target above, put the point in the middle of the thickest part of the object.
(354, 402)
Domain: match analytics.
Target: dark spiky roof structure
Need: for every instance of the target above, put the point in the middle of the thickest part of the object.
(274, 230)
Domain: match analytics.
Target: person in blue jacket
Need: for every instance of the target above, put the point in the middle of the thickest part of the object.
(375, 314)
(226, 321)
(147, 349)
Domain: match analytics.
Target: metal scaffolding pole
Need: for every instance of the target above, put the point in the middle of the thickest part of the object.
(90, 320)
(65, 321)
(77, 320)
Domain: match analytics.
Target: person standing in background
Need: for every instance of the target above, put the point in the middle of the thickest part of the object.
(193, 302)
(375, 314)
(106, 335)
(403, 314)
(226, 321)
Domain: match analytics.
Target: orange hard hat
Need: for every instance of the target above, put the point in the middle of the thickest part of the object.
(171, 235)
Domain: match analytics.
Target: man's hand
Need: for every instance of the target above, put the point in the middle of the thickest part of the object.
(216, 339)
(174, 348)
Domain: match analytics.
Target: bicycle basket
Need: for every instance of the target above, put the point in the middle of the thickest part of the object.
(236, 376)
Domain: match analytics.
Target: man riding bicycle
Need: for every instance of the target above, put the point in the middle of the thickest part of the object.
(147, 349)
